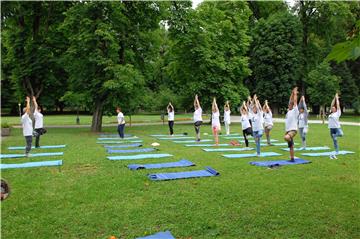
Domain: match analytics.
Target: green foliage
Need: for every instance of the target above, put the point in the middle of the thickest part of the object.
(322, 85)
(275, 57)
(5, 125)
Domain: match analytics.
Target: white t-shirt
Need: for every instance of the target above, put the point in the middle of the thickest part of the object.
(120, 118)
(291, 119)
(257, 121)
(302, 123)
(245, 122)
(171, 116)
(215, 119)
(268, 121)
(334, 122)
(227, 116)
(198, 114)
(39, 121)
(27, 125)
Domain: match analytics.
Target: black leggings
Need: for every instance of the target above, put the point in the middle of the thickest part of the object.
(28, 140)
(197, 126)
(246, 132)
(171, 126)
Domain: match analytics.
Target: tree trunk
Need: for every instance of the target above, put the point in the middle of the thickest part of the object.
(322, 113)
(97, 117)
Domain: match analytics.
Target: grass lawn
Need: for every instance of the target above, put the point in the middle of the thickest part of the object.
(92, 197)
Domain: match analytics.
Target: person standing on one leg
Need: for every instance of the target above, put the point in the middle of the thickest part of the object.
(227, 120)
(121, 122)
(303, 121)
(291, 122)
(171, 116)
(27, 126)
(245, 124)
(334, 124)
(268, 121)
(197, 117)
(39, 123)
(257, 124)
(215, 121)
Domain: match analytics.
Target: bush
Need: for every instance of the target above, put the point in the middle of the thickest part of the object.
(5, 125)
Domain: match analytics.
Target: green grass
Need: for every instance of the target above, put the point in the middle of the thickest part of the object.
(92, 197)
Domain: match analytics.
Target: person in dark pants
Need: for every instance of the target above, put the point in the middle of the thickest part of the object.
(27, 127)
(171, 116)
(121, 122)
(39, 123)
(245, 123)
(197, 117)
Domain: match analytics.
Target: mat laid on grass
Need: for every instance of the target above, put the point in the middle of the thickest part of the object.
(119, 142)
(328, 153)
(41, 147)
(226, 149)
(180, 163)
(166, 135)
(123, 151)
(113, 138)
(138, 156)
(279, 162)
(263, 154)
(177, 138)
(233, 137)
(207, 145)
(229, 135)
(159, 235)
(208, 172)
(308, 148)
(31, 164)
(4, 156)
(190, 141)
(123, 146)
(277, 144)
(114, 135)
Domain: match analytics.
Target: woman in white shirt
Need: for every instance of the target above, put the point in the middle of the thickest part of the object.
(303, 121)
(334, 124)
(171, 116)
(27, 126)
(39, 123)
(291, 123)
(245, 123)
(257, 124)
(197, 117)
(227, 121)
(268, 121)
(215, 121)
(121, 122)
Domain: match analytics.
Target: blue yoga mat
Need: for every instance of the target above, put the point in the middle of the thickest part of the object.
(140, 150)
(208, 172)
(138, 156)
(31, 164)
(114, 135)
(279, 162)
(234, 137)
(126, 138)
(263, 154)
(177, 138)
(226, 149)
(191, 141)
(263, 140)
(41, 147)
(328, 153)
(206, 145)
(229, 135)
(119, 142)
(166, 135)
(4, 156)
(159, 235)
(308, 148)
(180, 163)
(277, 144)
(123, 146)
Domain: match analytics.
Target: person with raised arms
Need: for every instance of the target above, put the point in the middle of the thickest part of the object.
(39, 123)
(171, 117)
(257, 123)
(121, 122)
(245, 123)
(268, 121)
(334, 124)
(291, 122)
(215, 121)
(27, 126)
(303, 121)
(197, 117)
(227, 120)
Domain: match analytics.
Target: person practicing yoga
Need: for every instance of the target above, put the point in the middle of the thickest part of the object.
(257, 123)
(249, 105)
(197, 117)
(171, 116)
(39, 123)
(291, 122)
(227, 120)
(27, 126)
(268, 121)
(121, 122)
(334, 124)
(245, 123)
(215, 121)
(303, 121)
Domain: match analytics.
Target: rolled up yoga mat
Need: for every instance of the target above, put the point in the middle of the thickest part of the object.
(208, 172)
(41, 147)
(328, 153)
(263, 154)
(159, 235)
(308, 148)
(3, 156)
(31, 164)
(138, 156)
(279, 162)
(180, 163)
(123, 146)
(122, 151)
